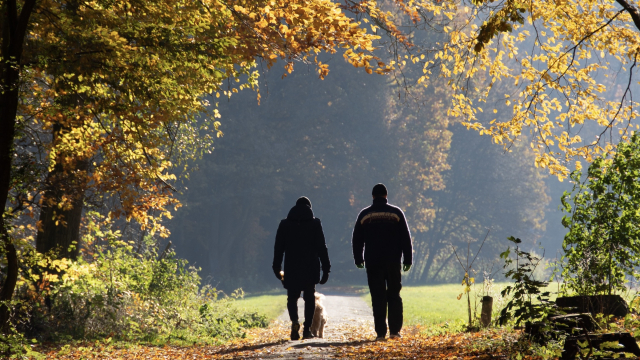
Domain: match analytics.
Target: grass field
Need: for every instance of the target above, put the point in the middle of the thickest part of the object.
(433, 304)
(437, 304)
(270, 305)
(425, 305)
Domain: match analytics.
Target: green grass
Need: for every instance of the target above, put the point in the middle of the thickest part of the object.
(270, 305)
(437, 304)
(424, 305)
(431, 304)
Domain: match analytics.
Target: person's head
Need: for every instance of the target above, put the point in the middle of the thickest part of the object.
(379, 191)
(303, 200)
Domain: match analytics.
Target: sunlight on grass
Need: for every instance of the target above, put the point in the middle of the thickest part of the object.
(437, 304)
(423, 305)
(432, 304)
(271, 305)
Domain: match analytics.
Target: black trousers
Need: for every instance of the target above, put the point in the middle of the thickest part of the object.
(385, 283)
(309, 304)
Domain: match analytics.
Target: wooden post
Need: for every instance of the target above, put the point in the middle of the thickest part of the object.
(487, 308)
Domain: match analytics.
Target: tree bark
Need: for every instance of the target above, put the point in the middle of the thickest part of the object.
(632, 10)
(12, 277)
(60, 228)
(487, 310)
(431, 253)
(14, 28)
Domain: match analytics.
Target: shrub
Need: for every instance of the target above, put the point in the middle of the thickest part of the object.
(528, 303)
(124, 295)
(602, 246)
(13, 343)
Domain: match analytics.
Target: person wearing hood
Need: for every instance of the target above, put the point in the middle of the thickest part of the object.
(301, 239)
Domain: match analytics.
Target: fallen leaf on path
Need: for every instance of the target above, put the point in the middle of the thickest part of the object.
(352, 340)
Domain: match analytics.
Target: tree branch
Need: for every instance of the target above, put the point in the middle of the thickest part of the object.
(23, 21)
(632, 10)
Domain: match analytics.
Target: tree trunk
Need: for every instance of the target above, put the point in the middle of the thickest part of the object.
(434, 249)
(466, 278)
(59, 229)
(12, 276)
(487, 310)
(14, 28)
(437, 272)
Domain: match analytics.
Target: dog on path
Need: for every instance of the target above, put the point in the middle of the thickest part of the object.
(319, 317)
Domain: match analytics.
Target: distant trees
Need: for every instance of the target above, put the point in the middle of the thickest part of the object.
(486, 188)
(323, 141)
(333, 142)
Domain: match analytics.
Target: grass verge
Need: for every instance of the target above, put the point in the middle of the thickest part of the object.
(269, 305)
(438, 304)
(423, 305)
(431, 304)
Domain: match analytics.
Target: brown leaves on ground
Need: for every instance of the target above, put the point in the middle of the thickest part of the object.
(345, 341)
(257, 340)
(415, 344)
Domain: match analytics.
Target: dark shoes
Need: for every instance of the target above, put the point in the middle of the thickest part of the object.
(306, 334)
(295, 328)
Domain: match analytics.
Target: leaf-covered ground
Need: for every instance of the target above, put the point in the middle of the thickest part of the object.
(354, 341)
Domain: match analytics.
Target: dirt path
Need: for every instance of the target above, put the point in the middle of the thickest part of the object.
(340, 308)
(350, 320)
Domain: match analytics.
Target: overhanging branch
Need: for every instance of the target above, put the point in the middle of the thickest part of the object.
(632, 10)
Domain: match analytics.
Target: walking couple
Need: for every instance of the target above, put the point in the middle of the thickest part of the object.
(380, 232)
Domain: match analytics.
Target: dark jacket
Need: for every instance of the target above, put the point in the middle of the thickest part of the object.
(382, 232)
(301, 240)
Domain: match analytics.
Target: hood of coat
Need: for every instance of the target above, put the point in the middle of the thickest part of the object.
(300, 212)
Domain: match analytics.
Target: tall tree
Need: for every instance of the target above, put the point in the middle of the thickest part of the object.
(140, 71)
(15, 21)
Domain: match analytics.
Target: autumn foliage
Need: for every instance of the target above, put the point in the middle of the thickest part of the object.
(107, 100)
(139, 77)
(105, 104)
(543, 70)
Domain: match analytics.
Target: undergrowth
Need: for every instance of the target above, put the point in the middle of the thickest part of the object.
(120, 295)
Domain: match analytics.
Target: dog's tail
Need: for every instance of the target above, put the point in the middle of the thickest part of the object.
(319, 296)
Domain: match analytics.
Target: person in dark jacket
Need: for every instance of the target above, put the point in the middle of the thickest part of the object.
(382, 233)
(301, 241)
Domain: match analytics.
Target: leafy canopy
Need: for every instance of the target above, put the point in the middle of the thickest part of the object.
(559, 70)
(124, 84)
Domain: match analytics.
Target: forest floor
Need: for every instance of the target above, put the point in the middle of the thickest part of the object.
(348, 334)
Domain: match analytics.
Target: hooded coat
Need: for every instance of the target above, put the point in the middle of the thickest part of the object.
(301, 242)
